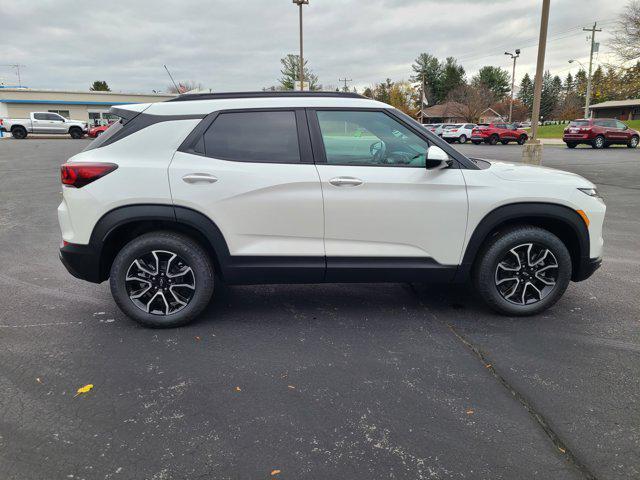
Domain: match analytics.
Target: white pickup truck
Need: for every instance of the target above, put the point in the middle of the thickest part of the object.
(43, 122)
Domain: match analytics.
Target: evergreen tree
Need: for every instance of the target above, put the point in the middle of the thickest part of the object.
(99, 86)
(497, 80)
(452, 76)
(429, 72)
(291, 73)
(525, 93)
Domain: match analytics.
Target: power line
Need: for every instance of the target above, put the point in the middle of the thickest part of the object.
(345, 80)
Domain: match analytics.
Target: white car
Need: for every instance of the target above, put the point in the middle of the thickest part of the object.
(303, 187)
(460, 132)
(435, 128)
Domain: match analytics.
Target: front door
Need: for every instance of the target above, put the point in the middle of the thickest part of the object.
(382, 206)
(252, 173)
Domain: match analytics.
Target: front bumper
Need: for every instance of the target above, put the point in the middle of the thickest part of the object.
(82, 261)
(586, 268)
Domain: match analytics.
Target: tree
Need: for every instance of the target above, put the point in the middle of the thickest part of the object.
(99, 86)
(525, 94)
(428, 72)
(551, 95)
(402, 96)
(520, 110)
(184, 86)
(495, 79)
(452, 76)
(470, 101)
(626, 36)
(291, 73)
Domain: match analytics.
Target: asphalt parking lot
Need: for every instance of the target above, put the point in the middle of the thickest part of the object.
(390, 381)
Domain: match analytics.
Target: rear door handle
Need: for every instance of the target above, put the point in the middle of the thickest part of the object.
(199, 178)
(345, 182)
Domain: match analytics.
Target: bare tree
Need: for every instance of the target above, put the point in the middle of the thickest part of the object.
(184, 86)
(469, 102)
(626, 36)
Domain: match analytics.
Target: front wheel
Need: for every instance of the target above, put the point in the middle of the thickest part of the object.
(523, 271)
(633, 143)
(493, 140)
(162, 279)
(476, 142)
(76, 133)
(522, 139)
(504, 142)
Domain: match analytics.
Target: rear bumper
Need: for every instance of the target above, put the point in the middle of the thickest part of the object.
(81, 261)
(586, 268)
(477, 138)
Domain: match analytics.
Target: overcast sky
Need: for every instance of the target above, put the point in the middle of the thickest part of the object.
(231, 45)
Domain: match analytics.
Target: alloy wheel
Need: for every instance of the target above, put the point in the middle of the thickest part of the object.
(160, 283)
(526, 274)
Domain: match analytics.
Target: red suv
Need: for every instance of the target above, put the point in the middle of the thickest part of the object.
(498, 132)
(600, 133)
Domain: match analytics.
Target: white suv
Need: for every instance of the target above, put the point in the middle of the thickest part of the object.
(306, 188)
(460, 132)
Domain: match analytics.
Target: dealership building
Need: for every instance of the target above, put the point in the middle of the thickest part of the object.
(91, 107)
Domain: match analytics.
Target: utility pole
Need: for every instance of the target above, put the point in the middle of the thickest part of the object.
(345, 80)
(17, 67)
(593, 31)
(532, 151)
(300, 3)
(513, 79)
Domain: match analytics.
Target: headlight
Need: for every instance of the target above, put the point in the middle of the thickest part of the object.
(592, 192)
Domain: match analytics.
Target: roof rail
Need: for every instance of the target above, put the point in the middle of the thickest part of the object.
(218, 96)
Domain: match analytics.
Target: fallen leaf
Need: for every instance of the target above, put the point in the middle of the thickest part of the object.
(469, 412)
(38, 380)
(562, 449)
(488, 365)
(197, 338)
(238, 389)
(291, 387)
(84, 389)
(275, 472)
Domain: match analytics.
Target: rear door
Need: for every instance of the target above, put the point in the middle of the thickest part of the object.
(382, 206)
(252, 173)
(41, 123)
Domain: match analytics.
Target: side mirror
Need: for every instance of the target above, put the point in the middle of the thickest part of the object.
(437, 159)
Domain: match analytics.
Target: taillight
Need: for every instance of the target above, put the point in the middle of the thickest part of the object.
(585, 129)
(80, 174)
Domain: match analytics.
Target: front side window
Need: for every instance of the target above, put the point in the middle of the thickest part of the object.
(256, 136)
(369, 138)
(620, 125)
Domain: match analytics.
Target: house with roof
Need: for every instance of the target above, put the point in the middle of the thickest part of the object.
(619, 109)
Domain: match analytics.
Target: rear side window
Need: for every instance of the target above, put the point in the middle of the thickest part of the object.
(579, 123)
(40, 116)
(258, 136)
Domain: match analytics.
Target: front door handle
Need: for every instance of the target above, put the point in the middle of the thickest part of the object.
(345, 182)
(199, 178)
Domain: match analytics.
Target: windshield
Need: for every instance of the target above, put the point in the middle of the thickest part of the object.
(579, 123)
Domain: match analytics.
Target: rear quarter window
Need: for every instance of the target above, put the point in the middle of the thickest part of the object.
(106, 135)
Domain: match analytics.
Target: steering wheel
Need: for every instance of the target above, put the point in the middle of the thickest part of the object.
(378, 151)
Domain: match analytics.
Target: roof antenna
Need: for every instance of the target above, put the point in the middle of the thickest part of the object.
(172, 80)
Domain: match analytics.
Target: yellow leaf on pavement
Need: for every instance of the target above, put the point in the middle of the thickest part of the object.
(275, 472)
(84, 389)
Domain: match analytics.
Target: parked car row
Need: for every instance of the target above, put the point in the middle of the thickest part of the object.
(451, 132)
(490, 133)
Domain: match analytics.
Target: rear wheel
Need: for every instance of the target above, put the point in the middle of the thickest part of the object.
(19, 132)
(598, 142)
(633, 143)
(504, 142)
(493, 139)
(571, 144)
(523, 271)
(76, 133)
(162, 279)
(462, 139)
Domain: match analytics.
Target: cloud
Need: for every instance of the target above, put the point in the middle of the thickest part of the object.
(236, 45)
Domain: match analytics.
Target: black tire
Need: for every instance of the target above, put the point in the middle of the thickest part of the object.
(98, 134)
(486, 268)
(598, 142)
(633, 143)
(76, 133)
(522, 139)
(462, 139)
(476, 142)
(189, 252)
(493, 140)
(19, 132)
(572, 145)
(504, 142)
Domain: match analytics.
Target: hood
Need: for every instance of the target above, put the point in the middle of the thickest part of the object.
(519, 172)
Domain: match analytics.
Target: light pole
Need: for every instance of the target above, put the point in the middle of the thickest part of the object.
(513, 79)
(300, 3)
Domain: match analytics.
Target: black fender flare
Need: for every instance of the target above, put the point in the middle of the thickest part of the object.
(527, 213)
(169, 215)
